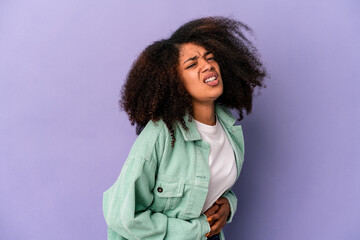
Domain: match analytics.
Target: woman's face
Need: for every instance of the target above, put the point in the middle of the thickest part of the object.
(200, 73)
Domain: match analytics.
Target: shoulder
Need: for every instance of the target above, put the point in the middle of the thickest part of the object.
(151, 141)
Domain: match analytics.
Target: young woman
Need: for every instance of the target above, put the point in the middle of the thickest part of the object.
(176, 182)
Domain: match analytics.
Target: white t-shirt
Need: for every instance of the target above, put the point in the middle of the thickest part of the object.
(221, 161)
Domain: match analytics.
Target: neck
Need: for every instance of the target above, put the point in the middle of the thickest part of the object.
(205, 113)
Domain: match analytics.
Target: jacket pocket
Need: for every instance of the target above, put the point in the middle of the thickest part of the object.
(167, 194)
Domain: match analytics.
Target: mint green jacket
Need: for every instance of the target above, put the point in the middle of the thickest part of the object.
(161, 190)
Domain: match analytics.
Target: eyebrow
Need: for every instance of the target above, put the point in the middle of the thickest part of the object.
(196, 57)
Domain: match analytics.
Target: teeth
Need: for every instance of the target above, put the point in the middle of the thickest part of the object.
(210, 79)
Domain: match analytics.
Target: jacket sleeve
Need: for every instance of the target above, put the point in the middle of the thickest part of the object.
(126, 207)
(230, 196)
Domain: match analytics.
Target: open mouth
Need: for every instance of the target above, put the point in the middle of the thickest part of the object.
(210, 78)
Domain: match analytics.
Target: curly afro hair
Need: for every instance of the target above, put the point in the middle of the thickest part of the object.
(153, 88)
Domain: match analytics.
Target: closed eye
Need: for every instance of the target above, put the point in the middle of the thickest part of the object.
(192, 65)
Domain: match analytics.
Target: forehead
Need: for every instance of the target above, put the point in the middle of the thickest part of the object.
(191, 49)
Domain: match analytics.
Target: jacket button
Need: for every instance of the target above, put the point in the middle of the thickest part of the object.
(159, 189)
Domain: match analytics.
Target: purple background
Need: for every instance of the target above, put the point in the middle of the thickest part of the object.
(63, 140)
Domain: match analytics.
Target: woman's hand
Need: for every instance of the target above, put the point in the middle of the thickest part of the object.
(217, 216)
(212, 210)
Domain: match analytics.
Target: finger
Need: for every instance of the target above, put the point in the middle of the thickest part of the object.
(211, 210)
(211, 221)
(218, 225)
(215, 208)
(213, 218)
(224, 211)
(221, 217)
(222, 201)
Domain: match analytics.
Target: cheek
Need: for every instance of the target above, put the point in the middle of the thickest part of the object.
(190, 79)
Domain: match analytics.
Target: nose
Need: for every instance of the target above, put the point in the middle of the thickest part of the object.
(206, 66)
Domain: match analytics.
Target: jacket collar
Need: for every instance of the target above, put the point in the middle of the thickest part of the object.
(223, 114)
